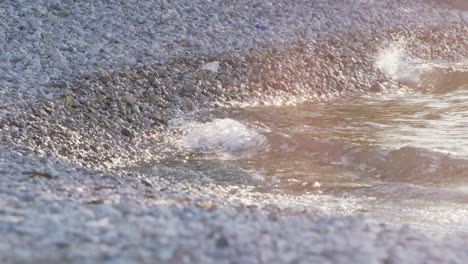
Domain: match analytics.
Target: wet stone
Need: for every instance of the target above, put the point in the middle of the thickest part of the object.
(127, 132)
(378, 87)
(146, 182)
(222, 242)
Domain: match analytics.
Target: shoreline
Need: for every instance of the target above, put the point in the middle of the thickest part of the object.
(65, 192)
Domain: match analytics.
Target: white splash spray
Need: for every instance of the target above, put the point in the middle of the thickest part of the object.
(394, 61)
(221, 136)
(391, 59)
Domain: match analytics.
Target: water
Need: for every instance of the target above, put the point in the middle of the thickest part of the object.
(399, 157)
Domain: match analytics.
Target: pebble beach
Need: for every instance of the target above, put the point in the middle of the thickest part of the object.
(86, 87)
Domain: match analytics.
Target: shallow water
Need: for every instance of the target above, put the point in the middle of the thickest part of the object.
(401, 154)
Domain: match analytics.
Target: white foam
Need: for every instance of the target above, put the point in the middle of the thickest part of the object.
(221, 136)
(394, 62)
(391, 59)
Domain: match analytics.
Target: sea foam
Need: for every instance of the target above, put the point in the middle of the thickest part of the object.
(394, 62)
(221, 136)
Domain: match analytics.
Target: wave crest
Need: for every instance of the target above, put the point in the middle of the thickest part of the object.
(221, 136)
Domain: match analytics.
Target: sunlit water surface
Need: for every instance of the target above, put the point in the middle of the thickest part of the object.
(403, 156)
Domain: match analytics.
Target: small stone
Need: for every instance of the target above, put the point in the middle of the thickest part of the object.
(83, 100)
(157, 100)
(188, 89)
(222, 242)
(146, 182)
(331, 57)
(63, 13)
(129, 99)
(127, 132)
(377, 87)
(61, 84)
(39, 174)
(106, 146)
(70, 120)
(211, 66)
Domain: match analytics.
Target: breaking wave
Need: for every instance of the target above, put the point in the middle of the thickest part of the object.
(396, 63)
(220, 136)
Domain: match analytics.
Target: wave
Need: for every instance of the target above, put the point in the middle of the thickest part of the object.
(227, 151)
(446, 78)
(406, 164)
(394, 61)
(441, 77)
(226, 138)
(220, 136)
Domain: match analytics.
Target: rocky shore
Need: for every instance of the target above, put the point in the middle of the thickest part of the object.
(85, 86)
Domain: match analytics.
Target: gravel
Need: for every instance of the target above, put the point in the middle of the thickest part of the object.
(85, 85)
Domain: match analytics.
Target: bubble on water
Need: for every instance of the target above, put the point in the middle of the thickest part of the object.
(221, 136)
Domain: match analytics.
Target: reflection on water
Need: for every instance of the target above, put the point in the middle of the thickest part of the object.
(404, 155)
(434, 122)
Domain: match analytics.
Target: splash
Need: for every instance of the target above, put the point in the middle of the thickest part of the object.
(391, 59)
(394, 62)
(221, 136)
